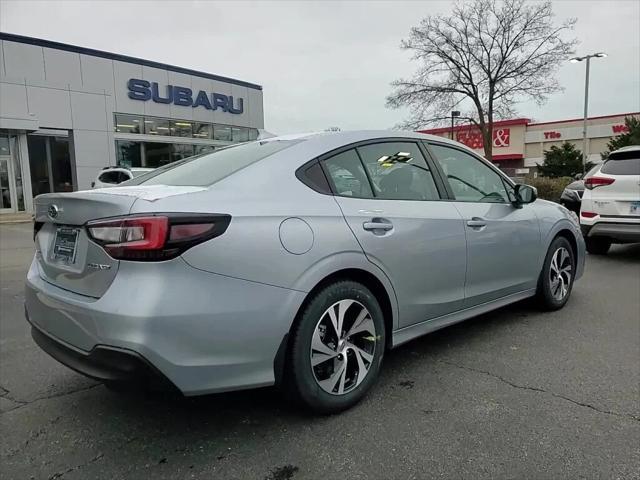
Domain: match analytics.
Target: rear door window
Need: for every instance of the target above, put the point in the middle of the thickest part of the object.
(398, 171)
(622, 166)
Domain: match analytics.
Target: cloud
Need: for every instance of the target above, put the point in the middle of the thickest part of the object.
(325, 63)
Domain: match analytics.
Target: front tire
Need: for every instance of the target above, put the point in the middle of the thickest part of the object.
(597, 245)
(556, 279)
(336, 348)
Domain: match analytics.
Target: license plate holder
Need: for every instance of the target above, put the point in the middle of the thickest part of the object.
(634, 208)
(65, 245)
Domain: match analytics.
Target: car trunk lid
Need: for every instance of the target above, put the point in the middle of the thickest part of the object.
(65, 255)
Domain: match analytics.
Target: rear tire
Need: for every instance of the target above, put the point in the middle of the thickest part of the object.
(597, 245)
(328, 372)
(556, 279)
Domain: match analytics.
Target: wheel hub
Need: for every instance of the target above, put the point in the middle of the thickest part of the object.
(343, 347)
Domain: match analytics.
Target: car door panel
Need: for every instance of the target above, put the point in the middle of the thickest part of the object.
(390, 200)
(423, 253)
(502, 254)
(503, 240)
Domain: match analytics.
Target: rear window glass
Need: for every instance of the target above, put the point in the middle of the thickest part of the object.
(622, 166)
(113, 177)
(207, 169)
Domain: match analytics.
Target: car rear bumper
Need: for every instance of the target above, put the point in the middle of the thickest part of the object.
(102, 363)
(619, 232)
(203, 332)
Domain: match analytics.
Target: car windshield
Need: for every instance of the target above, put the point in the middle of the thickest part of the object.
(206, 169)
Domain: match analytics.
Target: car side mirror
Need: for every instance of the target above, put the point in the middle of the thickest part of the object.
(525, 194)
(577, 176)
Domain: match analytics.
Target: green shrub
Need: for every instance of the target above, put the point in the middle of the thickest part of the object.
(550, 188)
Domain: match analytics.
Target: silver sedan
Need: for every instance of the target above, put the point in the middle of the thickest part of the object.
(296, 261)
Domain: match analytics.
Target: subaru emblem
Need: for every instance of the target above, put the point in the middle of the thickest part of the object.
(53, 211)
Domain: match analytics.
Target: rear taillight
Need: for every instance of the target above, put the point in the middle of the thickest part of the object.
(155, 237)
(593, 182)
(588, 214)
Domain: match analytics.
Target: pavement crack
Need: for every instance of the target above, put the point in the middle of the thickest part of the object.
(56, 475)
(22, 403)
(542, 390)
(4, 393)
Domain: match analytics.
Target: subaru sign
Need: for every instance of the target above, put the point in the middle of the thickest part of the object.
(144, 90)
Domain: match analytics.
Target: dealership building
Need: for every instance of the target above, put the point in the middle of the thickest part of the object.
(66, 112)
(519, 144)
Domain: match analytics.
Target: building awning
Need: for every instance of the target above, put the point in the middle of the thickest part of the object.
(11, 123)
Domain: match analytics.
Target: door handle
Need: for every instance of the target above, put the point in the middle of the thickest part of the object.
(386, 226)
(477, 222)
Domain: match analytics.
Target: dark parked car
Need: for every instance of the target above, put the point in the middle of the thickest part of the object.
(572, 194)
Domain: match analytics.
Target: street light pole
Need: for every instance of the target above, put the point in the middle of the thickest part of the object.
(584, 120)
(588, 58)
(454, 114)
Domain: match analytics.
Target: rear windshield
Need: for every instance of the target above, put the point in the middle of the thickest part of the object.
(622, 166)
(209, 168)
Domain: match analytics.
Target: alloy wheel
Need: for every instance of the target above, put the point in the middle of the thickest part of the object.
(560, 272)
(343, 347)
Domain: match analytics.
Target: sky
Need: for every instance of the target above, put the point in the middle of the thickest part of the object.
(326, 64)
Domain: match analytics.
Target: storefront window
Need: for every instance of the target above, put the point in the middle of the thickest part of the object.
(222, 132)
(128, 154)
(157, 126)
(200, 149)
(157, 154)
(181, 128)
(203, 130)
(128, 124)
(61, 164)
(50, 164)
(240, 134)
(38, 164)
(181, 151)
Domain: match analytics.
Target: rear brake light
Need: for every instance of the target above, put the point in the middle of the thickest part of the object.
(588, 214)
(593, 182)
(155, 237)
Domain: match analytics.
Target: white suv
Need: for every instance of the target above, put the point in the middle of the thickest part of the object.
(610, 210)
(110, 176)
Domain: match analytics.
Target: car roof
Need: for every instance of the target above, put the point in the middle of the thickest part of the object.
(624, 152)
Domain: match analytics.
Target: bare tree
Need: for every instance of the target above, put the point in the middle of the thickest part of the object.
(481, 59)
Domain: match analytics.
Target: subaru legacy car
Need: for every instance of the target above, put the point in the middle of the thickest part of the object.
(296, 261)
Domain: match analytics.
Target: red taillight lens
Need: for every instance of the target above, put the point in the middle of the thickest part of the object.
(593, 182)
(157, 237)
(588, 214)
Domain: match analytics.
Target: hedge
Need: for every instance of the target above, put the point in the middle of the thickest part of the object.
(549, 188)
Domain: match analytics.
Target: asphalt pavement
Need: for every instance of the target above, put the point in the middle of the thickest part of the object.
(512, 394)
